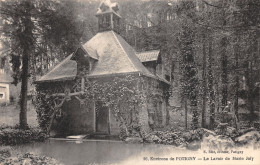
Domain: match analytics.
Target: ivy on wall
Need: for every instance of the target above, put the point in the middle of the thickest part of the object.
(123, 95)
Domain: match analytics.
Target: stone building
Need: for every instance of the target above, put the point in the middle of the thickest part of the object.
(105, 87)
(5, 81)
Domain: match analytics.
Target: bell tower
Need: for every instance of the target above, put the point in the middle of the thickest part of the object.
(108, 16)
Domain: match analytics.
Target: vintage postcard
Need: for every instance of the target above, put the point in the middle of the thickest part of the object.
(130, 82)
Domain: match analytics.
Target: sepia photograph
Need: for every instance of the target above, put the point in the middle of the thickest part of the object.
(129, 82)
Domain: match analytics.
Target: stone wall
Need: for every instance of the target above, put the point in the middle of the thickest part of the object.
(143, 96)
(114, 125)
(75, 118)
(157, 102)
(4, 93)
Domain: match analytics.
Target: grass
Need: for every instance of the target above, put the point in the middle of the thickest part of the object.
(9, 115)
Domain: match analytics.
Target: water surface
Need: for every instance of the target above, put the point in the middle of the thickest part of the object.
(94, 151)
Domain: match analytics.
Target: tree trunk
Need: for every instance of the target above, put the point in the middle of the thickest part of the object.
(250, 76)
(26, 41)
(41, 56)
(250, 92)
(224, 62)
(217, 99)
(190, 80)
(186, 112)
(33, 68)
(204, 84)
(24, 89)
(224, 74)
(236, 51)
(210, 86)
(194, 110)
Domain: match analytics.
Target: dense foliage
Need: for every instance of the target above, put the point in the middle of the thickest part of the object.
(212, 47)
(36, 34)
(14, 135)
(7, 158)
(223, 39)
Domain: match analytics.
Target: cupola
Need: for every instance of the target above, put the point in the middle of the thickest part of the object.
(108, 16)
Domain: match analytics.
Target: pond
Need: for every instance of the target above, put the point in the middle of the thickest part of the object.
(95, 151)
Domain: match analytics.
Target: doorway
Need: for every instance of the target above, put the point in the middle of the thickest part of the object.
(102, 118)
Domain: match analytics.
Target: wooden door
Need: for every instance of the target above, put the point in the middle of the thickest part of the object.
(102, 119)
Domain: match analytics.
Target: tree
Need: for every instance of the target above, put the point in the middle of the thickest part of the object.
(230, 46)
(224, 59)
(189, 70)
(210, 85)
(204, 82)
(38, 31)
(20, 14)
(249, 17)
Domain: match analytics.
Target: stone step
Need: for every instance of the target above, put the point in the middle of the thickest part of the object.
(77, 137)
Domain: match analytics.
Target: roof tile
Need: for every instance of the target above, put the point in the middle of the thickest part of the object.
(148, 55)
(115, 56)
(67, 69)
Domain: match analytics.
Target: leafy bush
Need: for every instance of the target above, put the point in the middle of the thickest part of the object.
(27, 158)
(5, 152)
(13, 135)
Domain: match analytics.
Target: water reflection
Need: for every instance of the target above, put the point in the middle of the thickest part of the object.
(98, 152)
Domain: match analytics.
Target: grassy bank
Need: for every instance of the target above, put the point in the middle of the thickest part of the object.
(8, 157)
(9, 115)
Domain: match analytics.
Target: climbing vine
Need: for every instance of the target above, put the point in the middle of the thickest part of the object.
(122, 95)
(125, 96)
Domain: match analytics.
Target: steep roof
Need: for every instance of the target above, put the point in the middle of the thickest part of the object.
(148, 55)
(115, 56)
(66, 69)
